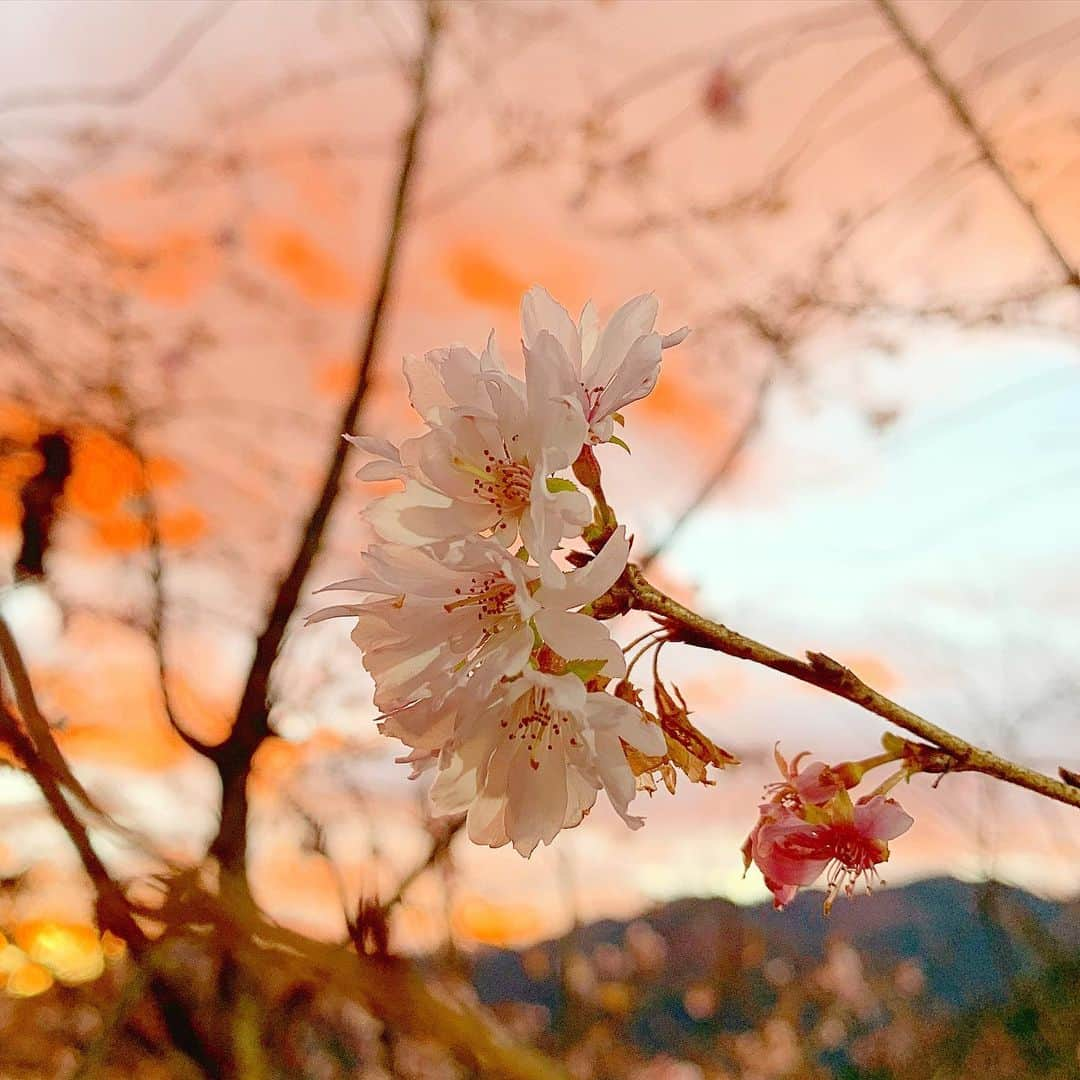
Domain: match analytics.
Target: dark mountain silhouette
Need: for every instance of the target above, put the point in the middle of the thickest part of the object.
(971, 942)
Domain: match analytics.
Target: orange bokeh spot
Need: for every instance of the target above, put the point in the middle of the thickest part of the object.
(313, 272)
(182, 528)
(169, 269)
(478, 277)
(15, 469)
(336, 378)
(496, 924)
(70, 952)
(126, 532)
(122, 532)
(163, 471)
(29, 981)
(9, 757)
(113, 947)
(103, 474)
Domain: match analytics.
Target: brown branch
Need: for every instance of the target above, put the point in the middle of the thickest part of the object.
(827, 674)
(440, 845)
(954, 98)
(40, 499)
(146, 506)
(37, 726)
(110, 905)
(234, 756)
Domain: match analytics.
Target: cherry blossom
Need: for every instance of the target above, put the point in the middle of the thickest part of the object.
(611, 367)
(811, 825)
(436, 617)
(494, 664)
(532, 760)
(486, 464)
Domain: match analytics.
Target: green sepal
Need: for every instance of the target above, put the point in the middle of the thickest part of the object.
(555, 484)
(618, 442)
(585, 669)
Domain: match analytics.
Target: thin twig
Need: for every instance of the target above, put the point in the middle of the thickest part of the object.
(440, 844)
(146, 506)
(723, 467)
(954, 98)
(175, 51)
(827, 674)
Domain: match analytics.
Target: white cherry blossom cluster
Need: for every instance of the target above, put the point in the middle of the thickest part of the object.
(476, 632)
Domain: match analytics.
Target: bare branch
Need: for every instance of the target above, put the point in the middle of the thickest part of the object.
(251, 729)
(36, 724)
(730, 457)
(957, 104)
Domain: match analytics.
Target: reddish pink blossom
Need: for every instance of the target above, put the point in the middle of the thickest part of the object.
(794, 843)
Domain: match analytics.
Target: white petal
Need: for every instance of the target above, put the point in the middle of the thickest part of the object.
(632, 321)
(539, 312)
(587, 582)
(556, 419)
(589, 330)
(676, 337)
(635, 378)
(608, 712)
(578, 637)
(380, 470)
(418, 515)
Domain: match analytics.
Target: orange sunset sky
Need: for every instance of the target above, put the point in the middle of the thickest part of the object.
(907, 502)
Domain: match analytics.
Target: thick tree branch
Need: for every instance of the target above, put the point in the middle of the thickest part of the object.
(36, 725)
(827, 674)
(952, 96)
(233, 757)
(111, 906)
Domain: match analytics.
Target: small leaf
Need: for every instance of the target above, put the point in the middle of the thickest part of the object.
(618, 442)
(619, 419)
(585, 669)
(555, 484)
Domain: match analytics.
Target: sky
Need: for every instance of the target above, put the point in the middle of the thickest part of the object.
(907, 504)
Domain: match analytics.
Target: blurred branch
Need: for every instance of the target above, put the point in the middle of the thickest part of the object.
(440, 845)
(234, 756)
(147, 509)
(111, 906)
(38, 727)
(734, 450)
(128, 93)
(827, 674)
(957, 104)
(389, 989)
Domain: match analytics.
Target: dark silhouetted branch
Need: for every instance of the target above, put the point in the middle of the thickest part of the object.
(234, 756)
(39, 500)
